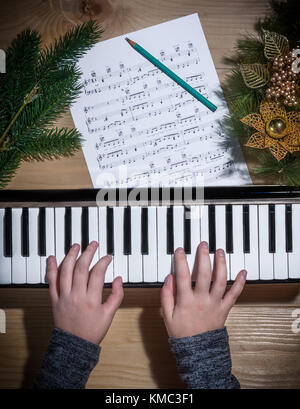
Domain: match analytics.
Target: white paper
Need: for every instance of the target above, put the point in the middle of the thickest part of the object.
(141, 128)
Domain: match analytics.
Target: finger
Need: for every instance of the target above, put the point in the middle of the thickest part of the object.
(167, 298)
(182, 274)
(96, 280)
(52, 278)
(81, 271)
(232, 295)
(116, 296)
(204, 273)
(219, 275)
(66, 269)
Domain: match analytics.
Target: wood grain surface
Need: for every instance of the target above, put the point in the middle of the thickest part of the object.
(135, 352)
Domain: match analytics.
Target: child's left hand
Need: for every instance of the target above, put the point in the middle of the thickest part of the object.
(76, 294)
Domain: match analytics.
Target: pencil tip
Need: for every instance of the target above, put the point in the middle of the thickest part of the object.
(132, 43)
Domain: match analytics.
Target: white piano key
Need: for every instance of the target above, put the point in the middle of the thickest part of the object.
(150, 260)
(18, 265)
(178, 212)
(280, 255)
(294, 257)
(120, 259)
(59, 234)
(109, 276)
(204, 230)
(266, 259)
(76, 226)
(195, 235)
(163, 259)
(135, 260)
(50, 241)
(93, 231)
(237, 260)
(5, 262)
(178, 226)
(251, 259)
(221, 233)
(33, 262)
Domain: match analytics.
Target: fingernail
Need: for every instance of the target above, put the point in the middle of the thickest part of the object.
(244, 273)
(180, 250)
(220, 252)
(94, 244)
(204, 244)
(50, 259)
(167, 279)
(75, 246)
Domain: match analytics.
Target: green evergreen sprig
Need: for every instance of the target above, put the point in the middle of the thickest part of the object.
(38, 87)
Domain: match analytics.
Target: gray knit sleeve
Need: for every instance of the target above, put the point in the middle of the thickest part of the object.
(68, 362)
(204, 360)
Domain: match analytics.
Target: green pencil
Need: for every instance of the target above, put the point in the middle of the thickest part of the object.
(172, 75)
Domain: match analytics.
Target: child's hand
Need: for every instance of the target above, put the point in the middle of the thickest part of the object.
(76, 294)
(193, 311)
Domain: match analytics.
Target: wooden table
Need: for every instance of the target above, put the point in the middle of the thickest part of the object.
(135, 354)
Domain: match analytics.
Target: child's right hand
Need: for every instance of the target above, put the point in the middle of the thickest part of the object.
(189, 311)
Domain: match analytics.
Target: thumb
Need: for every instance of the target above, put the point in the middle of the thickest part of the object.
(116, 296)
(167, 297)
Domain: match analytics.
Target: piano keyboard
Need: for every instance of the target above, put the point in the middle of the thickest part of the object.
(258, 234)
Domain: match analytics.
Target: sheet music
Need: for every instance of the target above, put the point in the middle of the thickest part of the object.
(142, 129)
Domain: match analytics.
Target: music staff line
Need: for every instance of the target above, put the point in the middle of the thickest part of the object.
(164, 126)
(151, 73)
(137, 67)
(143, 94)
(158, 139)
(152, 152)
(208, 173)
(152, 113)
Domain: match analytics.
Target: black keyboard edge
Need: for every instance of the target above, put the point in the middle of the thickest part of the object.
(210, 192)
(157, 285)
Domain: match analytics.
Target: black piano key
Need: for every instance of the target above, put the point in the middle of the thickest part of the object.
(127, 231)
(110, 230)
(144, 235)
(68, 229)
(25, 233)
(246, 229)
(170, 230)
(7, 233)
(272, 244)
(187, 229)
(42, 232)
(212, 228)
(84, 228)
(228, 229)
(288, 229)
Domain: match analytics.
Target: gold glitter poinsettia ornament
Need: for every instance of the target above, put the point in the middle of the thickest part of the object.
(278, 130)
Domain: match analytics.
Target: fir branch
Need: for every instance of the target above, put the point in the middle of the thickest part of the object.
(53, 71)
(9, 164)
(19, 80)
(50, 143)
(248, 50)
(69, 48)
(50, 104)
(284, 19)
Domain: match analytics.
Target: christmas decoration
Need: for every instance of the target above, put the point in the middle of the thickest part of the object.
(283, 79)
(263, 92)
(38, 86)
(277, 130)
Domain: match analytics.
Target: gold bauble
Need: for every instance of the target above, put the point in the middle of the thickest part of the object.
(276, 128)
